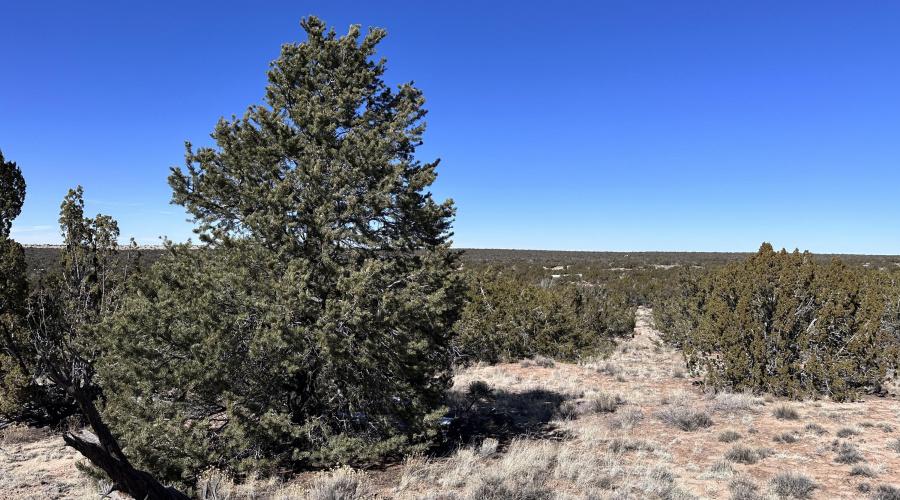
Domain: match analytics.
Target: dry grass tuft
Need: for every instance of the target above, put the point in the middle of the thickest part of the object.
(626, 418)
(894, 445)
(786, 437)
(847, 453)
(340, 484)
(729, 436)
(742, 488)
(544, 362)
(604, 403)
(863, 470)
(736, 403)
(845, 432)
(748, 455)
(785, 412)
(886, 492)
(22, 434)
(815, 429)
(721, 469)
(791, 484)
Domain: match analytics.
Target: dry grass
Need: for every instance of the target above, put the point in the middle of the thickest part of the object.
(791, 484)
(340, 484)
(786, 412)
(21, 434)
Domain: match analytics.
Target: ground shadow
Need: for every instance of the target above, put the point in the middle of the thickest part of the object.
(480, 412)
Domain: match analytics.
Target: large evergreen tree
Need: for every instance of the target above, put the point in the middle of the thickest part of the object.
(316, 325)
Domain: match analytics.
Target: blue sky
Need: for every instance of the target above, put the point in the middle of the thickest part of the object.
(639, 125)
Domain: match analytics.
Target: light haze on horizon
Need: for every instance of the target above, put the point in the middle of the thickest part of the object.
(593, 126)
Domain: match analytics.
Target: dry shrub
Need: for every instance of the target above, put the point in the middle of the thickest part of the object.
(214, 484)
(894, 445)
(659, 482)
(479, 389)
(748, 455)
(544, 361)
(526, 459)
(885, 427)
(721, 469)
(22, 434)
(791, 484)
(845, 432)
(497, 487)
(815, 429)
(604, 403)
(786, 437)
(580, 466)
(344, 483)
(627, 418)
(460, 467)
(847, 453)
(735, 403)
(680, 411)
(488, 447)
(568, 410)
(416, 469)
(742, 488)
(886, 492)
(785, 412)
(620, 445)
(610, 369)
(686, 419)
(863, 470)
(729, 436)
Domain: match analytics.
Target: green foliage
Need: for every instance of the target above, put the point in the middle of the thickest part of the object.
(16, 354)
(678, 307)
(783, 323)
(12, 194)
(63, 308)
(506, 319)
(317, 326)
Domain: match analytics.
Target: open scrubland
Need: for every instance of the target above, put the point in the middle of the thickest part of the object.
(634, 425)
(325, 341)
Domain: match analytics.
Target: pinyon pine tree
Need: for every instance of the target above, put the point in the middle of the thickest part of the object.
(315, 325)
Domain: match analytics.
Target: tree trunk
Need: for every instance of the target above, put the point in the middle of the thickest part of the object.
(103, 450)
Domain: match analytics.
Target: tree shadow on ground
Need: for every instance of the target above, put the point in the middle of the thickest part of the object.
(480, 412)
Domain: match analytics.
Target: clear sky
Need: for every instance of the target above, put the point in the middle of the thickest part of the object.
(612, 125)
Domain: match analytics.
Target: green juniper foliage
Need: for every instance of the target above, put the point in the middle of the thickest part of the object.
(16, 355)
(316, 326)
(506, 319)
(783, 323)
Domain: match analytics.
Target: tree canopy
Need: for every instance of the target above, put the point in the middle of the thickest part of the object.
(316, 326)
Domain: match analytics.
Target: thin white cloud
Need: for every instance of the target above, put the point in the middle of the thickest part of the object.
(29, 229)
